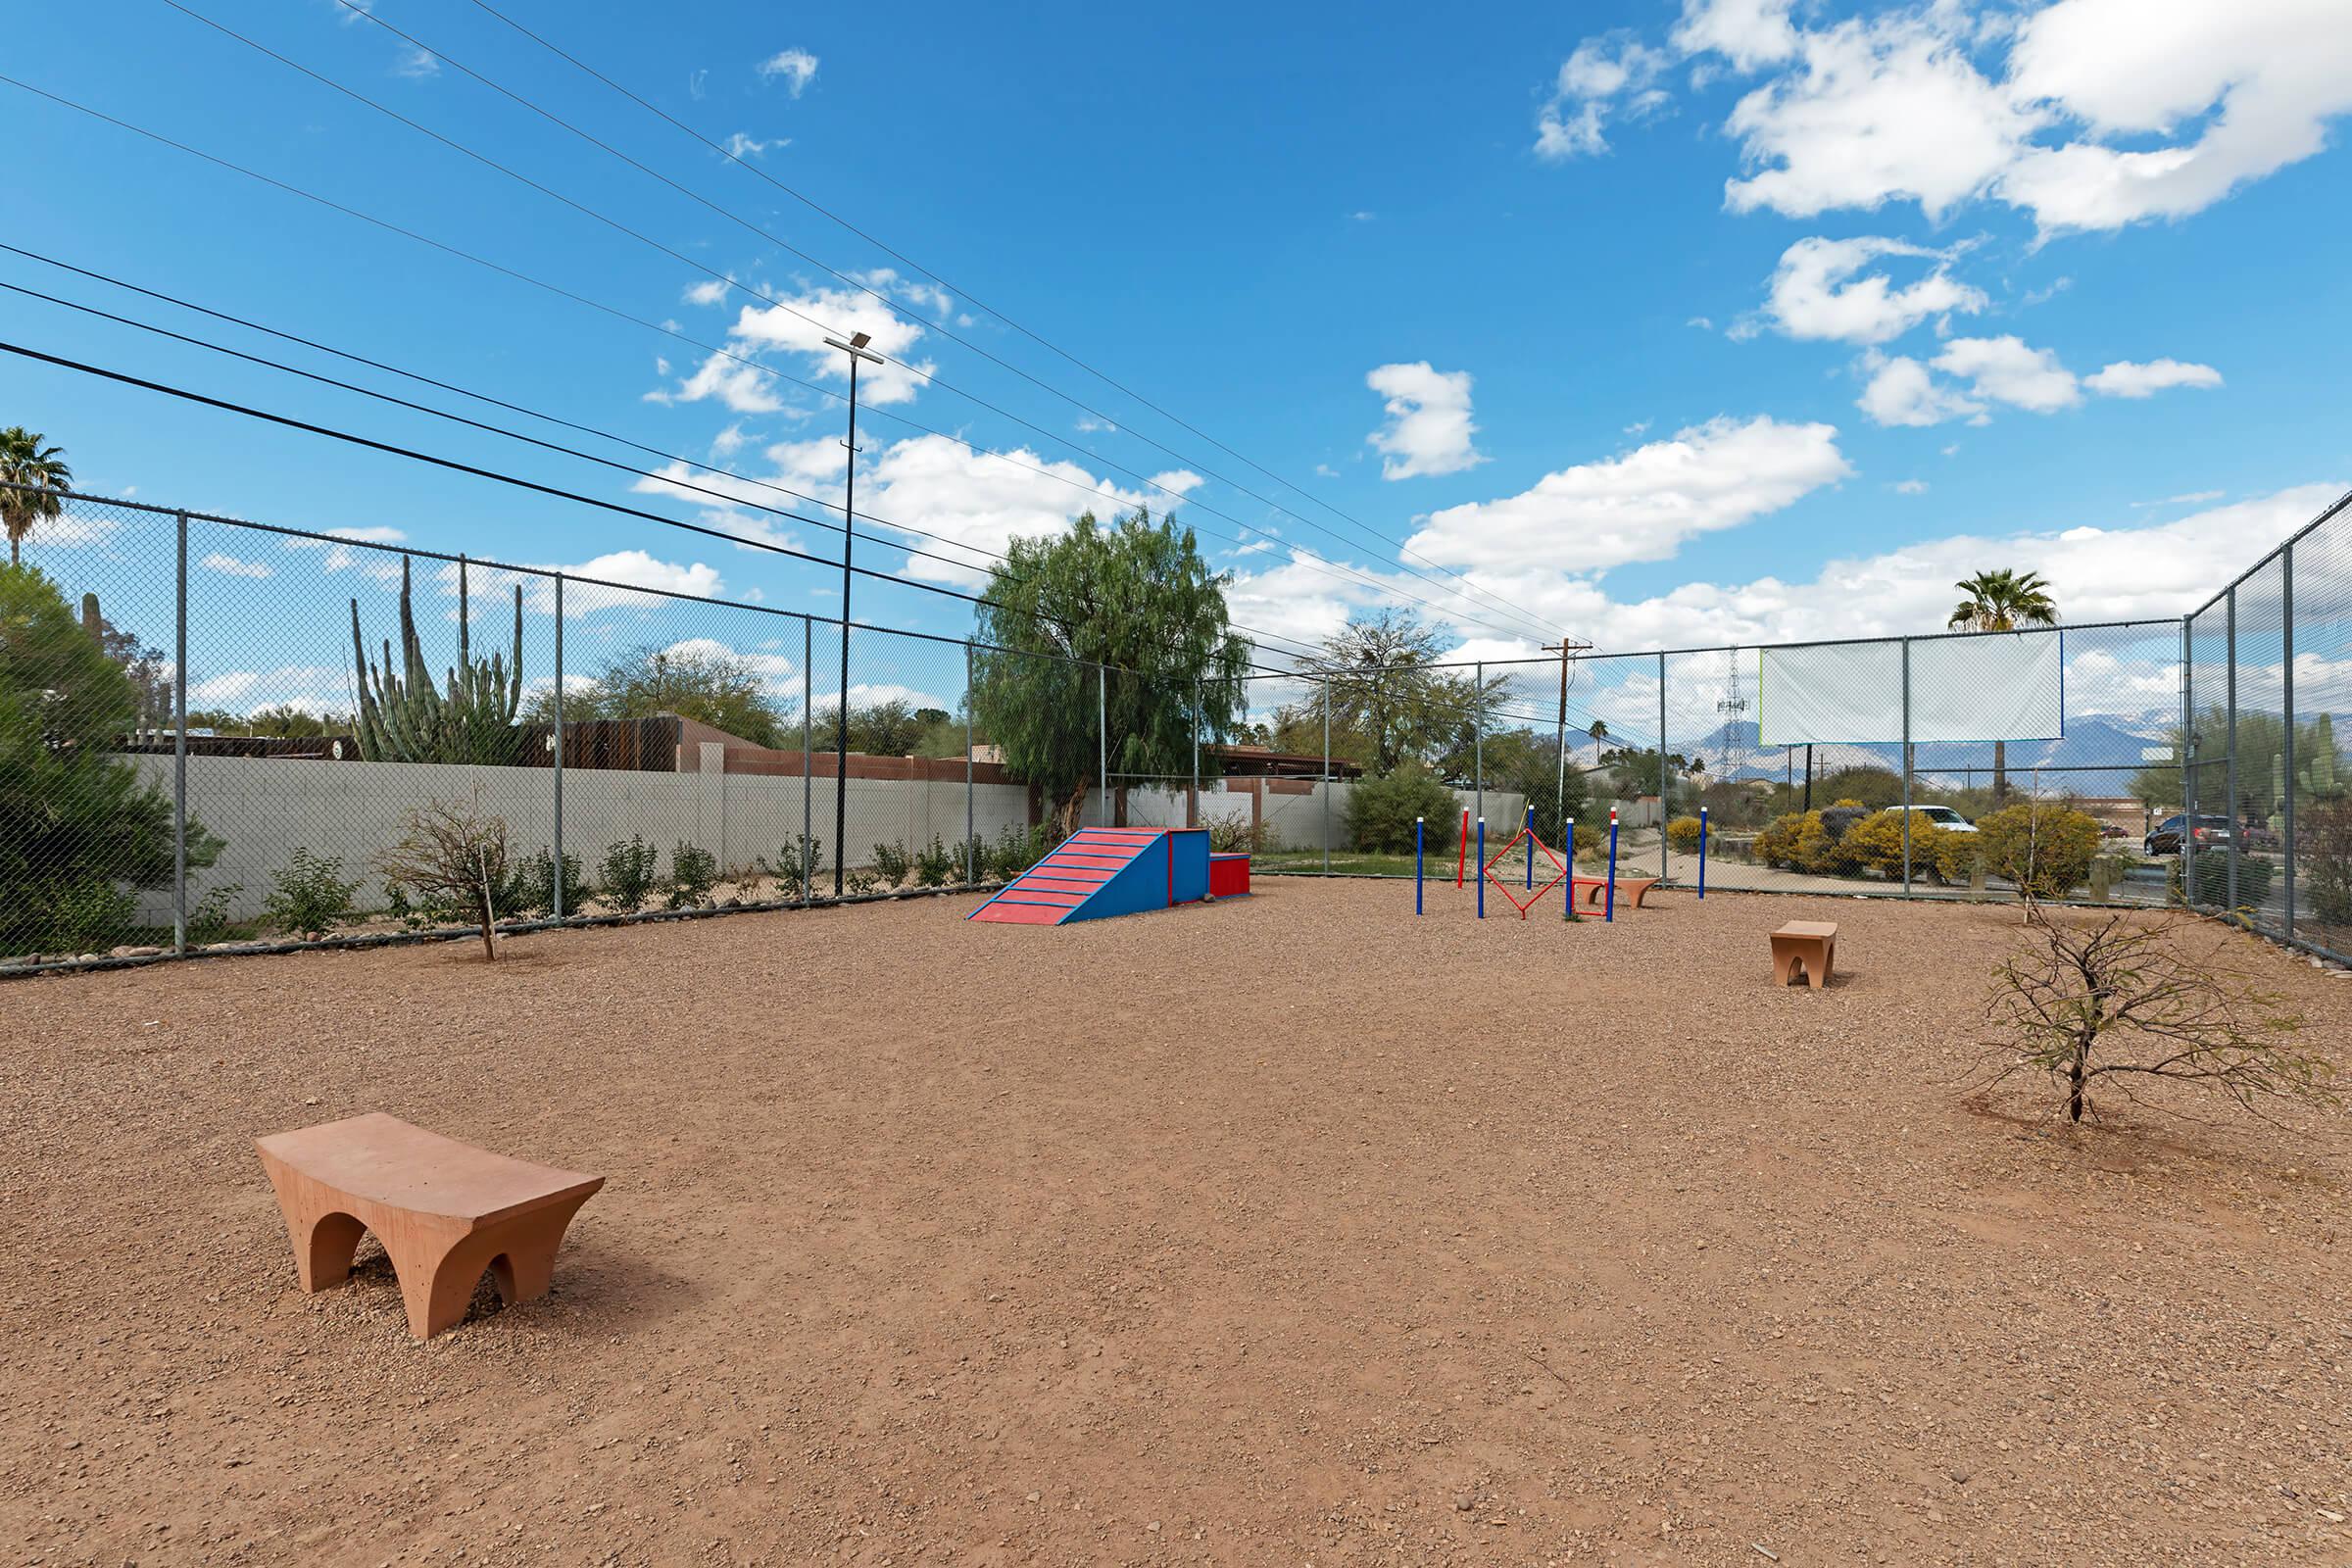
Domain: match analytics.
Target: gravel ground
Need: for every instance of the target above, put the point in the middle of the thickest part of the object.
(1289, 1230)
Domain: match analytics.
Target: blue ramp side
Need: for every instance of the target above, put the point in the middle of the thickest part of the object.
(1188, 852)
(1139, 885)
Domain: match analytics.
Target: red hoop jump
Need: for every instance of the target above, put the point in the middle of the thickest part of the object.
(1503, 885)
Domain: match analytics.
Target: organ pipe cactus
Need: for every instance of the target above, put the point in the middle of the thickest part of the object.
(405, 718)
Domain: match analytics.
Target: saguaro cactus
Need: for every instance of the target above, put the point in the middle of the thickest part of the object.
(404, 718)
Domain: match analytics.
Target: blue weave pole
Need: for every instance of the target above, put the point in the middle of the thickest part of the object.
(1702, 851)
(1531, 847)
(1609, 910)
(1482, 869)
(1416, 865)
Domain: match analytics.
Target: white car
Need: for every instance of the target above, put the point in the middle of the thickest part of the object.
(1942, 817)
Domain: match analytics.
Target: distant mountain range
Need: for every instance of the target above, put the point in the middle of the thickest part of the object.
(2091, 741)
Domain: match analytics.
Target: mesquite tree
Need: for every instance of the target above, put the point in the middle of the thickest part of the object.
(2120, 1002)
(454, 855)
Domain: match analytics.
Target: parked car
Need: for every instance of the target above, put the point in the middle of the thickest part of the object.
(1942, 817)
(2206, 832)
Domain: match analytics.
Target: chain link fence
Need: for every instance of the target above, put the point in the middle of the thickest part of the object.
(2267, 831)
(215, 730)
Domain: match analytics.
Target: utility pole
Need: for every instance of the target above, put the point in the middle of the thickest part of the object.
(1566, 647)
(855, 349)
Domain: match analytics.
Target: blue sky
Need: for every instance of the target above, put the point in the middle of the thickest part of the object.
(1661, 324)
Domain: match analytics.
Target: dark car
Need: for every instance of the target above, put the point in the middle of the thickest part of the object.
(2206, 832)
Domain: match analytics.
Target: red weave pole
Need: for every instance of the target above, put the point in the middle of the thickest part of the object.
(1461, 857)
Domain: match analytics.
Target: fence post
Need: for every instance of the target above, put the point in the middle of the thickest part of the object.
(180, 750)
(1102, 735)
(2189, 763)
(2287, 666)
(558, 821)
(2188, 825)
(1327, 775)
(1478, 739)
(1665, 773)
(1906, 767)
(971, 853)
(1192, 817)
(807, 761)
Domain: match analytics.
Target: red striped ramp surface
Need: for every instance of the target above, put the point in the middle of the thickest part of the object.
(1062, 884)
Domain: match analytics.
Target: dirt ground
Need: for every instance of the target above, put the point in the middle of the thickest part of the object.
(1292, 1230)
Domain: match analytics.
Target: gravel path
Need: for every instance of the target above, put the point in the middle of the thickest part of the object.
(1289, 1230)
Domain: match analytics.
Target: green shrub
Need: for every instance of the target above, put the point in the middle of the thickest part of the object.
(792, 876)
(1682, 835)
(1876, 844)
(860, 882)
(891, 864)
(1381, 812)
(2254, 875)
(310, 894)
(625, 878)
(936, 865)
(693, 873)
(531, 890)
(1229, 835)
(78, 831)
(208, 920)
(1873, 787)
(2046, 850)
(2324, 851)
(1019, 849)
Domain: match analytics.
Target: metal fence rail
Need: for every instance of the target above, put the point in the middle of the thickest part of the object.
(198, 750)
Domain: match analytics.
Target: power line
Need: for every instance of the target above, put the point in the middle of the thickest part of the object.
(769, 299)
(900, 257)
(1314, 561)
(994, 556)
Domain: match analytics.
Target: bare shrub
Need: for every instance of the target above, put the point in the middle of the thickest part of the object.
(2116, 1003)
(453, 853)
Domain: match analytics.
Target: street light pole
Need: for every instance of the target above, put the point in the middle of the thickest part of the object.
(855, 349)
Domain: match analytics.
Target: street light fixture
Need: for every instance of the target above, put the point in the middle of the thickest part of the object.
(855, 349)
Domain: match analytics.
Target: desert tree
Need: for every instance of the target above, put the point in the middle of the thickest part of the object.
(454, 855)
(28, 460)
(2123, 1002)
(1134, 596)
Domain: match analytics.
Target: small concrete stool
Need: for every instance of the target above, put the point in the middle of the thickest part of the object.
(443, 1210)
(1806, 946)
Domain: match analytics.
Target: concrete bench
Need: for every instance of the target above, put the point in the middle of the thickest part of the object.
(1635, 888)
(1804, 946)
(443, 1210)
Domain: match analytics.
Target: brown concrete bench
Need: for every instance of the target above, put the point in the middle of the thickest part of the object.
(443, 1210)
(1804, 946)
(1635, 888)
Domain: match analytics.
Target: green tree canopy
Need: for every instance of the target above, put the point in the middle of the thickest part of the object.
(712, 685)
(1134, 596)
(77, 826)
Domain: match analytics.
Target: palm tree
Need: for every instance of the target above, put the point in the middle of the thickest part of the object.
(2003, 600)
(24, 460)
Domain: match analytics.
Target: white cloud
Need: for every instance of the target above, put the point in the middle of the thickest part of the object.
(246, 690)
(1815, 293)
(728, 441)
(743, 144)
(1703, 323)
(2100, 113)
(414, 63)
(795, 68)
(1642, 505)
(232, 567)
(744, 388)
(943, 488)
(2125, 379)
(773, 670)
(1901, 391)
(1615, 71)
(2006, 370)
(1429, 430)
(709, 290)
(2191, 499)
(801, 325)
(1910, 487)
(615, 574)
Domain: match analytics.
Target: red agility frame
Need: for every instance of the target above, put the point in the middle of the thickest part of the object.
(1503, 887)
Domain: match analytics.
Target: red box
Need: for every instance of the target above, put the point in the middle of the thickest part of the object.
(1228, 875)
